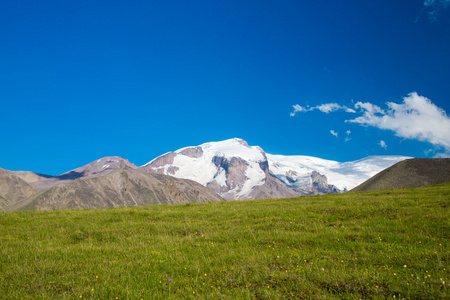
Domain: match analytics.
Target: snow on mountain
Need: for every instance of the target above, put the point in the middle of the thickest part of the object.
(235, 170)
(295, 170)
(230, 167)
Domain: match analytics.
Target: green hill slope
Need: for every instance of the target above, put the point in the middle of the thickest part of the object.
(409, 173)
(372, 245)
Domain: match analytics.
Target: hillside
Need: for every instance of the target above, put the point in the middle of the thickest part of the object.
(123, 187)
(13, 188)
(409, 173)
(371, 245)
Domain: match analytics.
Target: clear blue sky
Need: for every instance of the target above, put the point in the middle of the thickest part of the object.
(80, 80)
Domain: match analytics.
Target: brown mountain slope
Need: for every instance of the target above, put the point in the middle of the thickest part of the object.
(409, 173)
(124, 187)
(13, 188)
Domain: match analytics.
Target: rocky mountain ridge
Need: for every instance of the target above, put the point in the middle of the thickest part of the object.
(121, 187)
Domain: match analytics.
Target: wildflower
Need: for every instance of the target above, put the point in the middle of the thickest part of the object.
(404, 266)
(193, 293)
(169, 280)
(395, 274)
(205, 275)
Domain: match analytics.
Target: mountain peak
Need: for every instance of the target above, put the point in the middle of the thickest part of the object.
(235, 170)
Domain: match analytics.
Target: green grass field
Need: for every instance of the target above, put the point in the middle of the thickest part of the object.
(355, 245)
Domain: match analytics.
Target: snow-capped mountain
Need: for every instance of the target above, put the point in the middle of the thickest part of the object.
(231, 168)
(235, 170)
(294, 170)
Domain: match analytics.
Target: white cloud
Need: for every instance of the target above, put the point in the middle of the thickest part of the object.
(383, 144)
(348, 135)
(416, 118)
(326, 108)
(334, 133)
(297, 108)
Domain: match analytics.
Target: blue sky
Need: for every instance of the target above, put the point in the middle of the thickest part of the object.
(80, 80)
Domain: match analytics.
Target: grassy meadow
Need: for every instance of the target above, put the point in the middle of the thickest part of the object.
(390, 244)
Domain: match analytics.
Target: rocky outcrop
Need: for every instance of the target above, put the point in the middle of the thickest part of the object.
(161, 161)
(195, 152)
(235, 178)
(319, 184)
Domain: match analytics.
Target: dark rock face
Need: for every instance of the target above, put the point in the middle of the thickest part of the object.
(319, 184)
(166, 159)
(318, 180)
(172, 170)
(195, 152)
(234, 172)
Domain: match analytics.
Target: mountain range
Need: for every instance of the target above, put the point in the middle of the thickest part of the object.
(231, 169)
